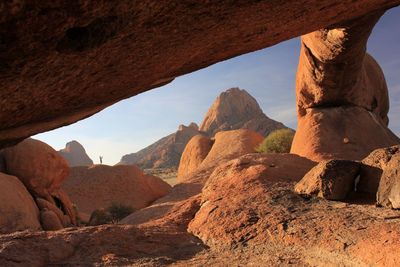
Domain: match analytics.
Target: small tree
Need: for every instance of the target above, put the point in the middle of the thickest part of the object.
(112, 214)
(119, 211)
(278, 141)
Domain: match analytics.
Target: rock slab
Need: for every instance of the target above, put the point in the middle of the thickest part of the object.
(333, 180)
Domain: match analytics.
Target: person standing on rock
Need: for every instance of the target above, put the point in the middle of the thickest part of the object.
(101, 159)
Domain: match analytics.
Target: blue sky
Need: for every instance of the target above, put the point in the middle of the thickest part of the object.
(268, 75)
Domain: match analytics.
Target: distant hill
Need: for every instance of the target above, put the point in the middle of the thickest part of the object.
(75, 154)
(233, 109)
(164, 153)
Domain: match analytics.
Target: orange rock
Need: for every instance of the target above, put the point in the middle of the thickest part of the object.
(321, 131)
(238, 192)
(37, 165)
(342, 96)
(227, 145)
(99, 186)
(42, 170)
(17, 208)
(195, 152)
(232, 144)
(99, 48)
(332, 179)
(46, 205)
(372, 167)
(388, 194)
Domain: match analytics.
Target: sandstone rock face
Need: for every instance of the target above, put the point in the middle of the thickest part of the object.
(227, 145)
(165, 153)
(269, 223)
(270, 214)
(333, 180)
(37, 165)
(388, 194)
(342, 98)
(232, 144)
(86, 42)
(42, 170)
(340, 133)
(236, 109)
(225, 209)
(372, 167)
(100, 186)
(106, 245)
(195, 152)
(75, 154)
(17, 208)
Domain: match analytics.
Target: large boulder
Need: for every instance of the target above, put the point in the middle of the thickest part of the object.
(17, 207)
(372, 167)
(333, 180)
(195, 152)
(237, 109)
(81, 62)
(342, 96)
(42, 170)
(241, 192)
(340, 133)
(99, 186)
(37, 165)
(232, 144)
(50, 221)
(227, 145)
(75, 154)
(388, 194)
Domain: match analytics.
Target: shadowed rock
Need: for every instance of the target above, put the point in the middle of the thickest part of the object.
(333, 180)
(388, 194)
(62, 61)
(372, 167)
(18, 210)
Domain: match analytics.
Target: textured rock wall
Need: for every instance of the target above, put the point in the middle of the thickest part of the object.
(62, 61)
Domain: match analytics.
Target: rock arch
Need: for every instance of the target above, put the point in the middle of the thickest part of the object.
(62, 62)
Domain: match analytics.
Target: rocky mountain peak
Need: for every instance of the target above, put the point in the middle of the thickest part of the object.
(75, 154)
(234, 109)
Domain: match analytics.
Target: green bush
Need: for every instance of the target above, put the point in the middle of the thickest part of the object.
(278, 141)
(119, 211)
(112, 214)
